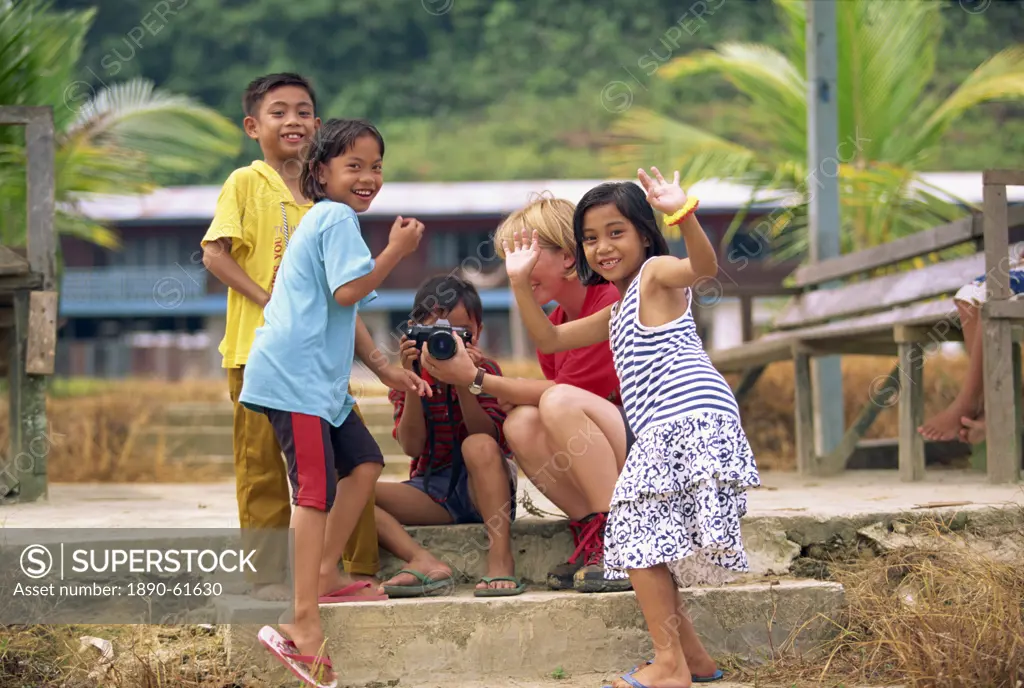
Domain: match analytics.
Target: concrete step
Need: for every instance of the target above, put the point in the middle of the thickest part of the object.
(540, 544)
(179, 442)
(375, 410)
(527, 638)
(183, 442)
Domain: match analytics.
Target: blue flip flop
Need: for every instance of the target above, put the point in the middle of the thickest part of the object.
(628, 678)
(717, 676)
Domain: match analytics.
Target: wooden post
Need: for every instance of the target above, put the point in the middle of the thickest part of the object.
(42, 240)
(911, 411)
(747, 317)
(1002, 415)
(33, 335)
(806, 453)
(29, 438)
(822, 183)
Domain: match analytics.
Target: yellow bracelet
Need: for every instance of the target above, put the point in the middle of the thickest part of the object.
(683, 213)
(672, 221)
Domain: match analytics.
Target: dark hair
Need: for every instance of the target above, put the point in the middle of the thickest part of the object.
(259, 87)
(331, 140)
(631, 201)
(440, 294)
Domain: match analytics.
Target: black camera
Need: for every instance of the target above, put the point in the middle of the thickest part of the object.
(440, 338)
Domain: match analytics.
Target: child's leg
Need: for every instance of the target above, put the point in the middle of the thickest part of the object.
(946, 424)
(362, 552)
(261, 486)
(489, 484)
(306, 443)
(700, 663)
(359, 459)
(656, 592)
(361, 557)
(401, 503)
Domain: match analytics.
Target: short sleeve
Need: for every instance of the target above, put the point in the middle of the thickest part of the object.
(227, 215)
(346, 255)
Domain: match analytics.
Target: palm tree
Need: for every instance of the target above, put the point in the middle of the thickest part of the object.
(116, 139)
(888, 121)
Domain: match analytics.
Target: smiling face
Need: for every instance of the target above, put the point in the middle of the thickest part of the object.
(356, 176)
(548, 276)
(614, 248)
(283, 124)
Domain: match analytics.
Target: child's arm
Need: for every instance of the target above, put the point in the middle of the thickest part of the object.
(480, 420)
(403, 240)
(394, 377)
(224, 230)
(701, 261)
(519, 262)
(217, 259)
(411, 431)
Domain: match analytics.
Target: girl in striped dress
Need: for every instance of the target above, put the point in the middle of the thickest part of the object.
(675, 513)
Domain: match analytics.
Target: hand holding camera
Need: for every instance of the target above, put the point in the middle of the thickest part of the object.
(439, 338)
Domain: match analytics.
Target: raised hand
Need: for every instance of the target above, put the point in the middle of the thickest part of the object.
(522, 256)
(662, 195)
(405, 234)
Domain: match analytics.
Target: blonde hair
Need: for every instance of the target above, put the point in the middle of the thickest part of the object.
(551, 217)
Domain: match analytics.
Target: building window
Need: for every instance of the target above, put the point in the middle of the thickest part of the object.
(443, 250)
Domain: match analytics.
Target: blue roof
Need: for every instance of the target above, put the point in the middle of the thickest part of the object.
(216, 304)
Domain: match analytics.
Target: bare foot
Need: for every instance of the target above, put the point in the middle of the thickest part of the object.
(658, 676)
(499, 564)
(427, 564)
(275, 592)
(973, 431)
(334, 579)
(945, 425)
(308, 636)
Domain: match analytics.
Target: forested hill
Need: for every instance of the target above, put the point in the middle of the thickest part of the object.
(471, 89)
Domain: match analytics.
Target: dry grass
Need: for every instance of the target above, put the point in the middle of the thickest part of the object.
(95, 428)
(144, 657)
(937, 615)
(96, 425)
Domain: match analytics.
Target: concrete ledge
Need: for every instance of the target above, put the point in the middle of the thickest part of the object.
(540, 544)
(528, 637)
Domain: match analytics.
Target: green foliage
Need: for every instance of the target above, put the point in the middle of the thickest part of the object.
(504, 89)
(890, 121)
(111, 139)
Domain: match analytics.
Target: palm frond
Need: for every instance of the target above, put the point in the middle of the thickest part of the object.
(763, 74)
(643, 135)
(172, 132)
(999, 77)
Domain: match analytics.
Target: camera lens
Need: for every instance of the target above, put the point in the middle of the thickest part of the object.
(441, 345)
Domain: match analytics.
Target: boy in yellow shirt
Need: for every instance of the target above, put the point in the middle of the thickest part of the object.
(258, 208)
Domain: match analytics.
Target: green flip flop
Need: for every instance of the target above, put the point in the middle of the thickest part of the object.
(500, 592)
(427, 586)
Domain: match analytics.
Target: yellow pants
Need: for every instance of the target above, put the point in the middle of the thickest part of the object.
(261, 484)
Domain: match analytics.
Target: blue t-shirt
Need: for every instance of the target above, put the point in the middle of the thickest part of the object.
(301, 358)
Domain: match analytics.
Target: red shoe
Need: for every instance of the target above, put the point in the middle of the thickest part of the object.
(591, 576)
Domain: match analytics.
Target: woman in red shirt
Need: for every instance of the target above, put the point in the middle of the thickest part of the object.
(568, 431)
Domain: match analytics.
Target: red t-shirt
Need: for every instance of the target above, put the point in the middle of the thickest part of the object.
(447, 428)
(590, 368)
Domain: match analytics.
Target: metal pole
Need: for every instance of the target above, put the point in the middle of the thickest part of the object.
(823, 186)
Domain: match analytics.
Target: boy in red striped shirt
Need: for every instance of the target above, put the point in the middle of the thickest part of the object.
(461, 471)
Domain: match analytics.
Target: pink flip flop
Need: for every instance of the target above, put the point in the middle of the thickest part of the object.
(345, 594)
(288, 654)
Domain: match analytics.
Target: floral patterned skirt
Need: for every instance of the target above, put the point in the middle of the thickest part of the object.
(680, 498)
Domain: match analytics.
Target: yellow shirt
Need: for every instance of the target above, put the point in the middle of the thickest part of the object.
(257, 211)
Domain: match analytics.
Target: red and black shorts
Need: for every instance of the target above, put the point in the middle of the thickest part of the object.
(318, 454)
